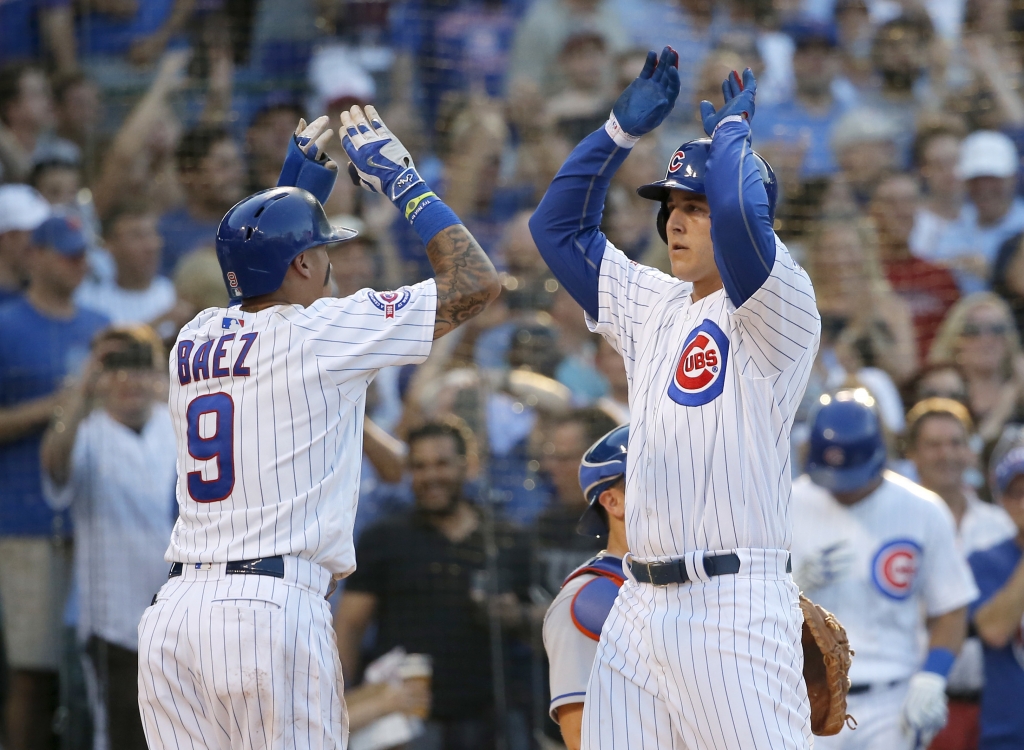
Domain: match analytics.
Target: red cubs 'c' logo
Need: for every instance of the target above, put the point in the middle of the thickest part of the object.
(894, 568)
(698, 365)
(676, 162)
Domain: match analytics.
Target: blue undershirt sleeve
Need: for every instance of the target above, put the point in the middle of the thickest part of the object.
(741, 228)
(567, 224)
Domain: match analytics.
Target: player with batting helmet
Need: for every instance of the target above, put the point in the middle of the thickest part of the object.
(880, 553)
(575, 619)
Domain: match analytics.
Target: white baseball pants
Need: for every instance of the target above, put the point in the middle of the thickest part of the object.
(878, 722)
(242, 661)
(714, 664)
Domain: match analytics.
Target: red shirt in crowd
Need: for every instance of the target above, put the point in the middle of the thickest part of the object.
(929, 290)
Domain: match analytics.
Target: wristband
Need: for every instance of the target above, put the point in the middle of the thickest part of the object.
(939, 661)
(616, 133)
(427, 213)
(307, 172)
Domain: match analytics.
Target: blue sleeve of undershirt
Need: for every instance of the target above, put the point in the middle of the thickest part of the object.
(567, 224)
(741, 228)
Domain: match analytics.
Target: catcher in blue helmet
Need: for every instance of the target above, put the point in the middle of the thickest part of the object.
(575, 619)
(717, 356)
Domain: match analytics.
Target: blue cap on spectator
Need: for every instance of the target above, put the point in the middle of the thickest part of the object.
(805, 32)
(61, 232)
(1009, 468)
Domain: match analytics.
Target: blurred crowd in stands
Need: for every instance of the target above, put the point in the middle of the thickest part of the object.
(128, 128)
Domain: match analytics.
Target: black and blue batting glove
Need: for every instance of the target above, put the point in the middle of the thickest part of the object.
(646, 102)
(379, 161)
(739, 101)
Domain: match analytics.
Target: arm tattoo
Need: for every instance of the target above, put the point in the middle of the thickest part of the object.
(466, 280)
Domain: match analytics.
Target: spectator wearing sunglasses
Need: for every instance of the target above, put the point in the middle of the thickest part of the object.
(980, 336)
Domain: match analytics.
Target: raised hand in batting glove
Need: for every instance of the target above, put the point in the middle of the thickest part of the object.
(739, 101)
(306, 164)
(312, 139)
(647, 101)
(925, 710)
(379, 161)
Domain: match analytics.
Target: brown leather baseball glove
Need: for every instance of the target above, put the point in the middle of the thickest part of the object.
(827, 661)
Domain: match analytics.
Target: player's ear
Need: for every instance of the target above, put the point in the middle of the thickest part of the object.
(613, 500)
(301, 264)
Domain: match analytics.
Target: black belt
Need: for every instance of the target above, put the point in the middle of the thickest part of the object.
(261, 566)
(867, 687)
(674, 571)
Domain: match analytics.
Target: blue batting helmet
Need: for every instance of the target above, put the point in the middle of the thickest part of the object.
(262, 234)
(686, 172)
(603, 465)
(847, 448)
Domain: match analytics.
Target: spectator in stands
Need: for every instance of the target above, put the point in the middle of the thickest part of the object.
(421, 578)
(855, 31)
(136, 294)
(979, 335)
(805, 120)
(22, 209)
(26, 119)
(354, 263)
(864, 144)
(272, 125)
(998, 612)
(558, 548)
(938, 442)
(138, 31)
(44, 337)
(928, 289)
(935, 154)
(583, 103)
(140, 161)
(111, 458)
(940, 380)
(988, 165)
(212, 176)
(58, 179)
(865, 319)
(615, 403)
(76, 100)
(1008, 277)
(546, 26)
(577, 347)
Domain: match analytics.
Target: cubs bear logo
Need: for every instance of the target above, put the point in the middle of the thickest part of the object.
(389, 302)
(894, 568)
(700, 372)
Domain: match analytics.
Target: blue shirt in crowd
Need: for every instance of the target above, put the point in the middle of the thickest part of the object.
(36, 354)
(793, 124)
(101, 33)
(1002, 721)
(19, 28)
(182, 234)
(966, 237)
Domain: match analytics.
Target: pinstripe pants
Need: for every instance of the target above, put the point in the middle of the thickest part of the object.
(715, 664)
(242, 661)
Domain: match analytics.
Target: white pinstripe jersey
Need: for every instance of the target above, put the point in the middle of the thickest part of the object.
(268, 413)
(712, 393)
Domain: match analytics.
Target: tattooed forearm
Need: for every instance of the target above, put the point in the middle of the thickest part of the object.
(466, 280)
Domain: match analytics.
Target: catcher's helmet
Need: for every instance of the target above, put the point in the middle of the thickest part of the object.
(686, 172)
(262, 234)
(603, 465)
(847, 447)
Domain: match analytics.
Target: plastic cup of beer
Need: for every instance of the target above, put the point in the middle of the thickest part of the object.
(418, 667)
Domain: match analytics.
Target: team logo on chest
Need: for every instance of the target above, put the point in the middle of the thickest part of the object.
(389, 302)
(700, 373)
(894, 568)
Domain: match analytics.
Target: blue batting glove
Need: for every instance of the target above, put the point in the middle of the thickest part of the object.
(739, 101)
(647, 101)
(379, 161)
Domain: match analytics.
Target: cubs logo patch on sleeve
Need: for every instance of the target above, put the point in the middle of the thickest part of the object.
(700, 373)
(390, 302)
(894, 568)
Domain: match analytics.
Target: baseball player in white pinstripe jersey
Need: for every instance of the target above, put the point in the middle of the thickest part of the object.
(702, 646)
(267, 400)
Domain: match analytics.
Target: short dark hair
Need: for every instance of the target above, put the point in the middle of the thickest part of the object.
(197, 143)
(126, 209)
(10, 83)
(930, 408)
(451, 427)
(67, 81)
(43, 166)
(595, 422)
(932, 127)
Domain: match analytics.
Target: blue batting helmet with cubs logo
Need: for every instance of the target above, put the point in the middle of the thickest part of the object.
(686, 172)
(261, 235)
(602, 466)
(847, 448)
